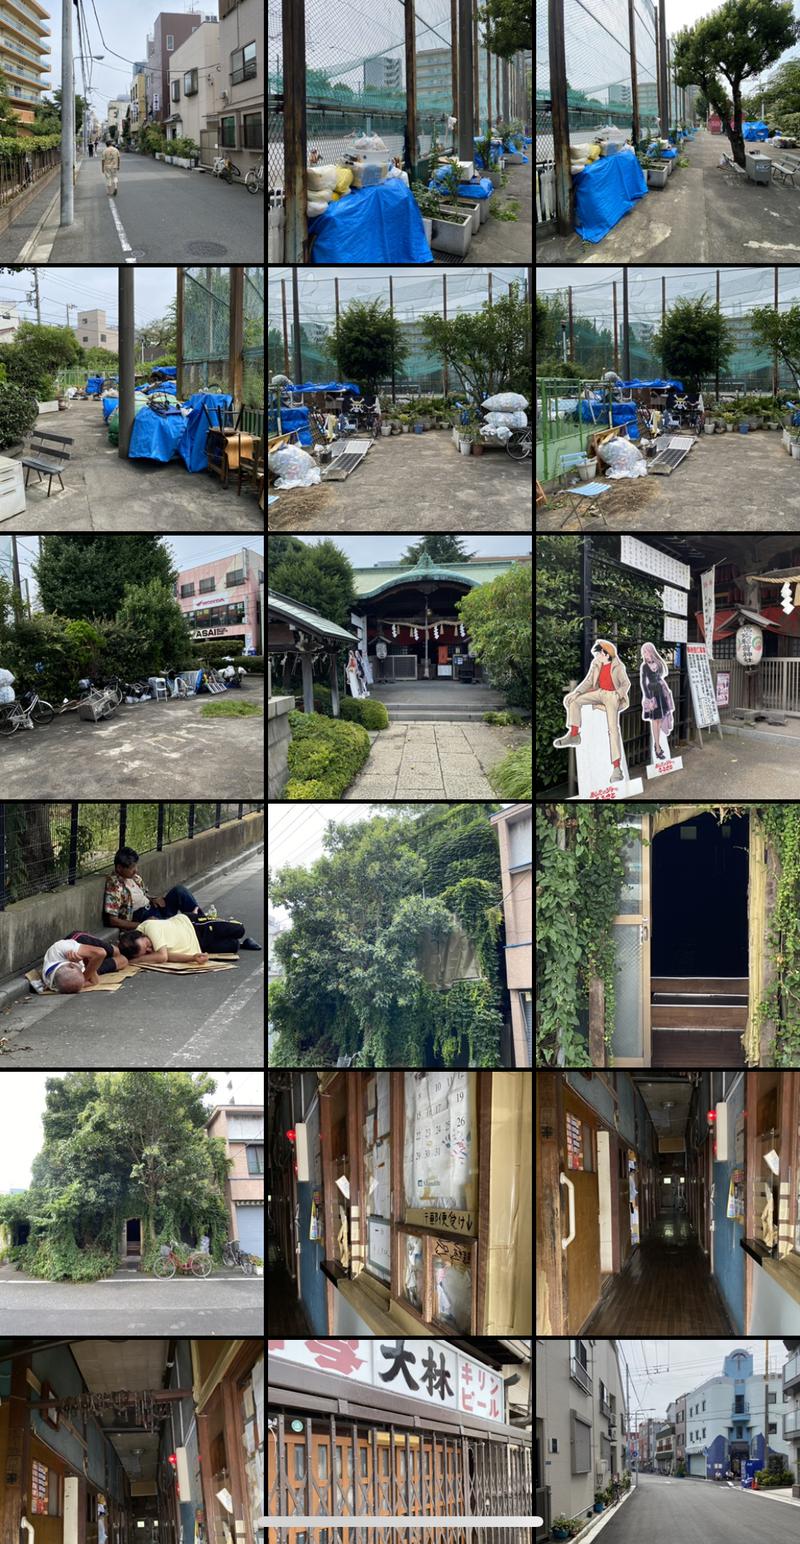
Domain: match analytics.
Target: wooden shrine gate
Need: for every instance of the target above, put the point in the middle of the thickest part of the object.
(381, 1470)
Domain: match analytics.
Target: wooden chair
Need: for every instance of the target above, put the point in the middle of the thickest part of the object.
(46, 456)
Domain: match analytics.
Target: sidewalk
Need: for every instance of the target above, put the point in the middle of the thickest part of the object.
(508, 241)
(776, 1493)
(434, 761)
(14, 240)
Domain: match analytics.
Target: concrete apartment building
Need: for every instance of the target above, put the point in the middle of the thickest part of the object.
(680, 1432)
(580, 1424)
(138, 96)
(93, 331)
(665, 1448)
(24, 55)
(647, 1445)
(791, 1415)
(116, 113)
(170, 29)
(242, 1128)
(195, 90)
(224, 599)
(241, 52)
(9, 320)
(515, 833)
(726, 1416)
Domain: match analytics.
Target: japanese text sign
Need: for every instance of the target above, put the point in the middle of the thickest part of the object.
(704, 697)
(429, 1370)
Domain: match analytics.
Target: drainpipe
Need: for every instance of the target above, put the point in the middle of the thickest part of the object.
(31, 1533)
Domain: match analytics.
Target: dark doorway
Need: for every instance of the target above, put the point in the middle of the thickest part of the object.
(133, 1236)
(699, 879)
(21, 1233)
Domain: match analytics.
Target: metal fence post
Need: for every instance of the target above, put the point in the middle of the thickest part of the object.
(241, 812)
(160, 827)
(411, 83)
(634, 82)
(294, 128)
(191, 820)
(123, 824)
(217, 816)
(466, 105)
(72, 863)
(3, 878)
(559, 107)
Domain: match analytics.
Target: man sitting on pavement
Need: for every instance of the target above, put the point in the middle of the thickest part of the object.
(71, 966)
(127, 904)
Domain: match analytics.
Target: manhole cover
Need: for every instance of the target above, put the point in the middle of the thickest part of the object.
(206, 249)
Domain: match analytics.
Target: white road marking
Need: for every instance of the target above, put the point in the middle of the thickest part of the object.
(119, 1281)
(221, 1019)
(124, 242)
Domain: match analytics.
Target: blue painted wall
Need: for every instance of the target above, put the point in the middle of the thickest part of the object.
(728, 1256)
(312, 1281)
(55, 1365)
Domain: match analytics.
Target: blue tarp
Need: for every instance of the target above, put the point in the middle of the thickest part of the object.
(169, 371)
(297, 418)
(604, 192)
(374, 225)
(108, 404)
(621, 413)
(757, 130)
(322, 386)
(482, 188)
(192, 448)
(668, 155)
(495, 153)
(657, 385)
(94, 385)
(156, 436)
(168, 386)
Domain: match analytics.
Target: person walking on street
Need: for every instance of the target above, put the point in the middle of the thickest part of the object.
(110, 166)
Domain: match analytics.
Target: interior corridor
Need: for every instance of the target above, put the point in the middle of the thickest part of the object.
(666, 1288)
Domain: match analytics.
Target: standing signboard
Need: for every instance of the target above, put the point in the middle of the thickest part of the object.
(701, 686)
(593, 709)
(709, 609)
(658, 711)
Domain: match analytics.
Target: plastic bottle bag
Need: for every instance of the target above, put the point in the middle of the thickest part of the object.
(517, 420)
(504, 402)
(295, 468)
(369, 143)
(321, 177)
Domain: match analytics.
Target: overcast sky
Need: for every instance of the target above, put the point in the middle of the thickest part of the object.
(662, 1370)
(22, 1103)
(187, 551)
(124, 28)
(363, 551)
(92, 288)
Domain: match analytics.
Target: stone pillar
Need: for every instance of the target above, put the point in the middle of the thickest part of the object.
(306, 660)
(334, 680)
(278, 737)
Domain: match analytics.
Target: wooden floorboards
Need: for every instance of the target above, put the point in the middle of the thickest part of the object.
(285, 1315)
(665, 1289)
(694, 1048)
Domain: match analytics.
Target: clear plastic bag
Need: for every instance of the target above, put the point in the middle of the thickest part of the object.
(505, 402)
(295, 468)
(518, 420)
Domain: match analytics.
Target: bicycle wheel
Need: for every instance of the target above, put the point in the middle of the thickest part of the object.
(247, 1265)
(251, 182)
(164, 1267)
(518, 449)
(43, 713)
(228, 1257)
(201, 1265)
(9, 723)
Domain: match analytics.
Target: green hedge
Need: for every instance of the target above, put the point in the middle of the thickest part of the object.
(19, 411)
(253, 664)
(324, 756)
(69, 649)
(354, 710)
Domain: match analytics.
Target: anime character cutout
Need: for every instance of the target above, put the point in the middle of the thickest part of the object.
(607, 686)
(658, 706)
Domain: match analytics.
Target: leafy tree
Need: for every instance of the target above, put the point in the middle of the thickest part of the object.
(366, 342)
(489, 349)
(88, 575)
(52, 347)
(319, 576)
(694, 341)
(508, 25)
(780, 333)
(162, 332)
(499, 620)
(737, 42)
(9, 119)
(101, 360)
(163, 628)
(281, 546)
(441, 548)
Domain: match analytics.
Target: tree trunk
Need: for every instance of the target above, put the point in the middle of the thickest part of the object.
(735, 134)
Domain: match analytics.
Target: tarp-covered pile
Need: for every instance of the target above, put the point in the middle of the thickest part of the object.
(755, 131)
(604, 192)
(376, 225)
(204, 405)
(322, 386)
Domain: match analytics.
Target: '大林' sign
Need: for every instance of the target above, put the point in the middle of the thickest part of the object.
(428, 1370)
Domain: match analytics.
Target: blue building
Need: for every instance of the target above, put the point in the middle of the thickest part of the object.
(734, 1417)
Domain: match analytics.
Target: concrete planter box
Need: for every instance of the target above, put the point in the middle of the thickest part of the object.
(452, 232)
(427, 226)
(495, 174)
(48, 407)
(474, 207)
(483, 205)
(657, 176)
(178, 160)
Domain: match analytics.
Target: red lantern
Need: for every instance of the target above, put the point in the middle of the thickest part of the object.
(172, 1461)
(711, 1117)
(290, 1135)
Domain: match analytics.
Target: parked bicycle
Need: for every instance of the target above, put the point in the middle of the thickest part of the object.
(255, 179)
(26, 712)
(169, 1262)
(223, 167)
(520, 446)
(177, 685)
(234, 1255)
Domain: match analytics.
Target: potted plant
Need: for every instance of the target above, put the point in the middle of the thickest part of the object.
(478, 445)
(465, 440)
(452, 230)
(428, 203)
(599, 1501)
(561, 1527)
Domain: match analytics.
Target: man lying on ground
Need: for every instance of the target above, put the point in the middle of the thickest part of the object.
(71, 964)
(127, 903)
(164, 935)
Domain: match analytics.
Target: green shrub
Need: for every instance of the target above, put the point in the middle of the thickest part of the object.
(504, 717)
(363, 710)
(512, 777)
(326, 751)
(19, 411)
(231, 707)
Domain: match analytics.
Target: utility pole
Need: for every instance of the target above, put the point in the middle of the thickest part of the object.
(626, 333)
(766, 1404)
(67, 116)
(466, 148)
(285, 329)
(616, 331)
(775, 356)
(15, 567)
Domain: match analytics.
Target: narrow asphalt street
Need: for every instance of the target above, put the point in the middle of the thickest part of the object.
(665, 1510)
(128, 1304)
(156, 1020)
(165, 214)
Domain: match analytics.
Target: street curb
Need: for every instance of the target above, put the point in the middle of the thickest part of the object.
(604, 1518)
(769, 1497)
(12, 990)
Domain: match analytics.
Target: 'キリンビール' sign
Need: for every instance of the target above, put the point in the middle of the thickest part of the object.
(429, 1370)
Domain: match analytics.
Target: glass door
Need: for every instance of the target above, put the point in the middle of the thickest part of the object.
(631, 1037)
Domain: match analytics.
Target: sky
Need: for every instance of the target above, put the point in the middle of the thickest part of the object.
(662, 1370)
(94, 288)
(415, 292)
(188, 552)
(125, 29)
(22, 1102)
(363, 551)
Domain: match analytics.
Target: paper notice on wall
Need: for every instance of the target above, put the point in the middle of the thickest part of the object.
(381, 1195)
(383, 1104)
(343, 1184)
(438, 1140)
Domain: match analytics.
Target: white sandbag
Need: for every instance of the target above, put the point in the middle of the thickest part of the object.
(505, 402)
(321, 177)
(518, 420)
(315, 208)
(295, 468)
(496, 432)
(622, 458)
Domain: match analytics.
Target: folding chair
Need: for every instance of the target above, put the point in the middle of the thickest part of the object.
(584, 501)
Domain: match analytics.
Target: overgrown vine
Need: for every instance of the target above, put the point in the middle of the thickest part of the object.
(781, 1002)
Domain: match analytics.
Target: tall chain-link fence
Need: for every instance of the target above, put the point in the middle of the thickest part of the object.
(253, 338)
(46, 845)
(591, 336)
(206, 328)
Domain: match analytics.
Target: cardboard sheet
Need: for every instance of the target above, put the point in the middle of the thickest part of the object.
(113, 982)
(105, 983)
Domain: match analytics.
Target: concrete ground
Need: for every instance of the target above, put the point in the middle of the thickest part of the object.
(163, 746)
(665, 1509)
(415, 482)
(507, 241)
(130, 1304)
(728, 482)
(434, 761)
(437, 700)
(185, 1022)
(166, 215)
(104, 492)
(744, 764)
(705, 214)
